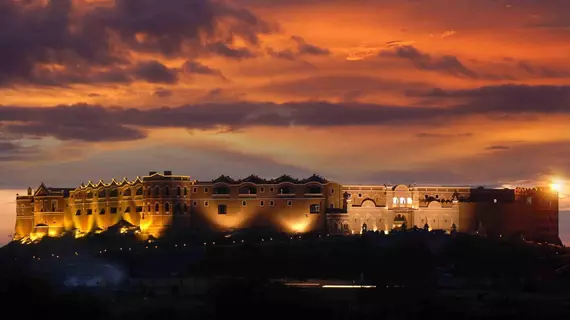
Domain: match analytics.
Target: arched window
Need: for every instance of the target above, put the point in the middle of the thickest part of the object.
(140, 191)
(90, 195)
(167, 191)
(148, 208)
(102, 194)
(156, 191)
(185, 191)
(148, 192)
(167, 207)
(178, 191)
(410, 200)
(185, 208)
(395, 200)
(114, 193)
(402, 200)
(156, 207)
(127, 192)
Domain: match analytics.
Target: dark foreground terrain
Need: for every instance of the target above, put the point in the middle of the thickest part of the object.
(408, 275)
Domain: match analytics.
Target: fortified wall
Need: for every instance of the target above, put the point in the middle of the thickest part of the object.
(162, 201)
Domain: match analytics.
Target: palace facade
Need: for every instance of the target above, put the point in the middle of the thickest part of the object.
(162, 201)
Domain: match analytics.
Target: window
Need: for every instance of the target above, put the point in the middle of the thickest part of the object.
(90, 195)
(53, 205)
(402, 200)
(285, 190)
(194, 203)
(529, 200)
(78, 212)
(139, 209)
(156, 191)
(314, 190)
(114, 193)
(332, 191)
(206, 190)
(101, 194)
(244, 203)
(178, 191)
(148, 209)
(315, 208)
(185, 208)
(127, 210)
(360, 195)
(270, 189)
(127, 192)
(494, 200)
(167, 207)
(156, 207)
(289, 203)
(185, 191)
(271, 203)
(222, 209)
(178, 208)
(262, 190)
(248, 190)
(221, 190)
(113, 210)
(206, 203)
(194, 190)
(261, 203)
(102, 211)
(148, 192)
(410, 201)
(332, 206)
(140, 191)
(167, 191)
(394, 201)
(89, 212)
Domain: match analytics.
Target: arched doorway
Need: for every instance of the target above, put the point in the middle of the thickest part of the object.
(399, 221)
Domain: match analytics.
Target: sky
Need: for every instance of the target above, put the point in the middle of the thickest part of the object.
(457, 92)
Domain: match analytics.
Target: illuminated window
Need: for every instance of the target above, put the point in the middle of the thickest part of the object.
(315, 208)
(395, 200)
(222, 209)
(410, 201)
(402, 200)
(494, 200)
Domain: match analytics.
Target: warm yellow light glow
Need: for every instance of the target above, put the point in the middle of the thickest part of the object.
(557, 185)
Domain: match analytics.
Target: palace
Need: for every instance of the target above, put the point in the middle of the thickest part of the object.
(162, 201)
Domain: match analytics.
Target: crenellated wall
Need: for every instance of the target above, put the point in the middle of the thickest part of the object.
(160, 201)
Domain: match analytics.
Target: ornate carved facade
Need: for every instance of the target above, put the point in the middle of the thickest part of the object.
(160, 201)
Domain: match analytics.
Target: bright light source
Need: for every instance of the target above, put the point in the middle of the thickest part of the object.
(557, 185)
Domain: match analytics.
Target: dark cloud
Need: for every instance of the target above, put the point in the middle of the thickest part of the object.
(195, 67)
(94, 95)
(35, 35)
(286, 54)
(12, 151)
(498, 147)
(95, 123)
(511, 99)
(306, 48)
(443, 135)
(225, 50)
(162, 93)
(445, 64)
(155, 72)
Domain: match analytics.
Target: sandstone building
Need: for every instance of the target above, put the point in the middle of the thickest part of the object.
(161, 201)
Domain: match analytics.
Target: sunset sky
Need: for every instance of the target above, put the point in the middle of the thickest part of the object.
(469, 92)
